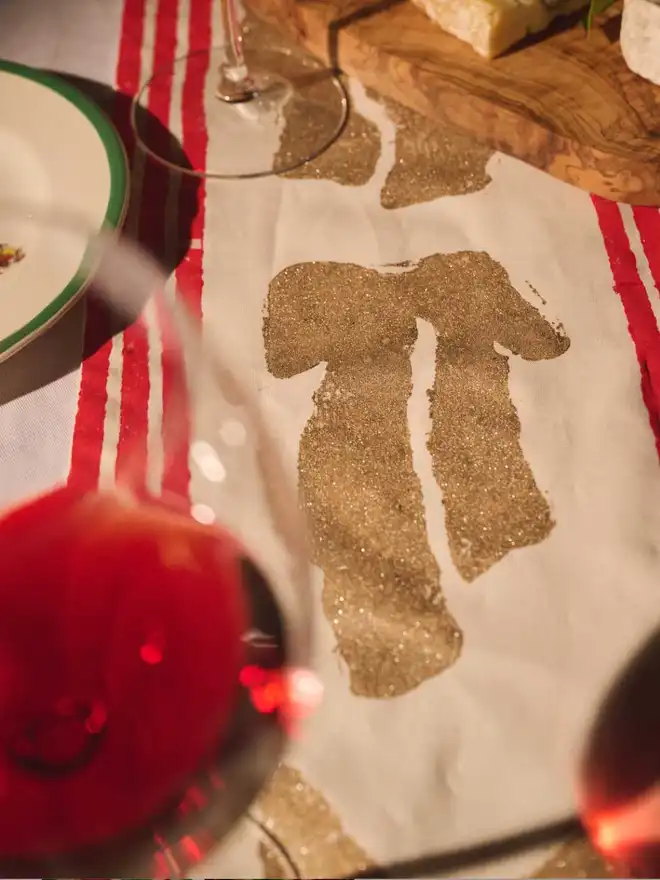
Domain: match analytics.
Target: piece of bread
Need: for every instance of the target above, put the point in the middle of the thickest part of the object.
(493, 26)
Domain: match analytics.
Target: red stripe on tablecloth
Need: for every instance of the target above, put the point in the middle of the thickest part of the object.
(130, 47)
(648, 224)
(89, 427)
(195, 138)
(132, 446)
(92, 399)
(189, 275)
(636, 304)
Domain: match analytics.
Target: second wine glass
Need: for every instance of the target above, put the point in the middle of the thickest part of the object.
(264, 109)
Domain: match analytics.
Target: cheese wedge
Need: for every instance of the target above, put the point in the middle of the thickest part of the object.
(640, 38)
(493, 26)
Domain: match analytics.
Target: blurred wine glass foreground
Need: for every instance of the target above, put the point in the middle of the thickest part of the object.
(620, 779)
(618, 791)
(154, 630)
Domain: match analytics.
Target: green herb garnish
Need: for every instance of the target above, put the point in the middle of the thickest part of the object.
(595, 8)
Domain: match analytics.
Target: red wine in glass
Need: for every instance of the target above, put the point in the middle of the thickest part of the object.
(122, 628)
(148, 639)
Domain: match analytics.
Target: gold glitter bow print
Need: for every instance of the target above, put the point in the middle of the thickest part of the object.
(363, 497)
(312, 837)
(430, 161)
(308, 829)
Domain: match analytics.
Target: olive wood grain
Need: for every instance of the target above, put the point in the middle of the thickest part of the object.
(564, 102)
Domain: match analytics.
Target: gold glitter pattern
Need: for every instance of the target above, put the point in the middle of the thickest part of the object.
(304, 823)
(576, 859)
(364, 499)
(431, 161)
(492, 503)
(274, 865)
(304, 121)
(382, 583)
(351, 160)
(315, 106)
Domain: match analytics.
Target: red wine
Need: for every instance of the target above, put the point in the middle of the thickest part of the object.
(121, 646)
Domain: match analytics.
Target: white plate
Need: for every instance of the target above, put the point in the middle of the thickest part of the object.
(58, 153)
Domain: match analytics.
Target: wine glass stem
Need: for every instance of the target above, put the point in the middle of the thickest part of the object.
(235, 84)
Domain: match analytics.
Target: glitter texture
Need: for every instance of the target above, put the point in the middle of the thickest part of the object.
(351, 160)
(492, 503)
(304, 119)
(313, 108)
(576, 859)
(303, 822)
(274, 866)
(382, 584)
(431, 160)
(363, 497)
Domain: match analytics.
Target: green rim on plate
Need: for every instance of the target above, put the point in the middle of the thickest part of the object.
(114, 213)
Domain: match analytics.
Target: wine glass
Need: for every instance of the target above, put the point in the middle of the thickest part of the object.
(260, 110)
(154, 631)
(618, 788)
(620, 778)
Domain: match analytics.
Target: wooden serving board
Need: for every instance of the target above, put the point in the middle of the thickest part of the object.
(566, 103)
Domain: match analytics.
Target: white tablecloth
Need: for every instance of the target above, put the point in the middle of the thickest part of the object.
(490, 745)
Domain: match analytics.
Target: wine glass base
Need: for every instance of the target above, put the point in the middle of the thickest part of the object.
(267, 91)
(290, 110)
